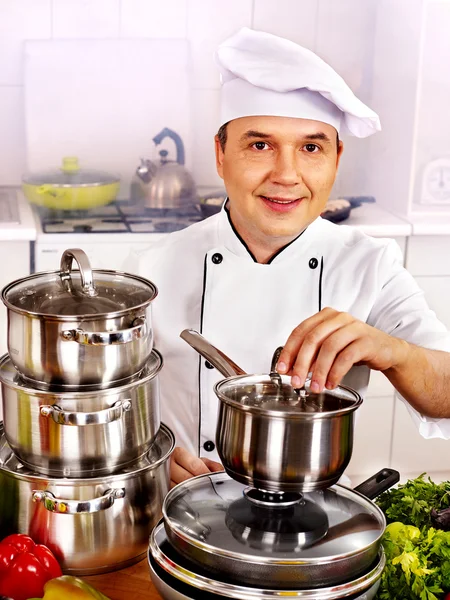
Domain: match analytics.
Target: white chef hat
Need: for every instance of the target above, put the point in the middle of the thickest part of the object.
(266, 75)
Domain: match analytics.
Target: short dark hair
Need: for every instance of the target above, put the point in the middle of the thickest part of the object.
(222, 135)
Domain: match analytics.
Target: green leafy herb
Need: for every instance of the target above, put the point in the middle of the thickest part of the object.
(412, 502)
(417, 554)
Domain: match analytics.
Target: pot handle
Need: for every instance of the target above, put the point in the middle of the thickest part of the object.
(378, 483)
(65, 268)
(99, 417)
(70, 507)
(107, 338)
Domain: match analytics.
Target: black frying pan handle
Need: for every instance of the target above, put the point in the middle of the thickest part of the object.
(378, 483)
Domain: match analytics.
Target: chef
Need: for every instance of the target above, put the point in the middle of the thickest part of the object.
(269, 271)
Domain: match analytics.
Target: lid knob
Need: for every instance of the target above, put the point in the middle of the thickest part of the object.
(70, 164)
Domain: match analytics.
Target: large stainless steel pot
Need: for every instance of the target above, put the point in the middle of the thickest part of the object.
(176, 578)
(92, 525)
(84, 433)
(218, 525)
(273, 437)
(74, 328)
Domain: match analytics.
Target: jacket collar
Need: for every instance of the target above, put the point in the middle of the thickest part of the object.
(229, 237)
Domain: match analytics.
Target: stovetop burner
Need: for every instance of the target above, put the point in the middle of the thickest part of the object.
(121, 216)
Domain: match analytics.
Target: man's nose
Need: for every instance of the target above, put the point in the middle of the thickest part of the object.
(286, 168)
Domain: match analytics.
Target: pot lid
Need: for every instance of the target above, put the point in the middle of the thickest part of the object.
(188, 580)
(160, 451)
(213, 513)
(275, 395)
(10, 377)
(70, 175)
(86, 293)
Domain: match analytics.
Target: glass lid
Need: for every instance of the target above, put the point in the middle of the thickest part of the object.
(86, 293)
(222, 516)
(70, 175)
(276, 394)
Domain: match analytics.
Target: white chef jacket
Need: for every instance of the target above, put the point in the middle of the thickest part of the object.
(209, 281)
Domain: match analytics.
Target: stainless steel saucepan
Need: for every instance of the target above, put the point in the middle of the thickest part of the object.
(93, 524)
(85, 433)
(271, 437)
(68, 328)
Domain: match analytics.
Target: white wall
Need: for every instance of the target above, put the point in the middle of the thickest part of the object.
(340, 32)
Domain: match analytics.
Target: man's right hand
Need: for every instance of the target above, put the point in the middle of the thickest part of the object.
(184, 465)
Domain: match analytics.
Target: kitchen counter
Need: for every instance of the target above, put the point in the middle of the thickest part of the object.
(131, 583)
(378, 222)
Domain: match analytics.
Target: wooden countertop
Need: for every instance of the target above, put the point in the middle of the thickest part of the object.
(131, 583)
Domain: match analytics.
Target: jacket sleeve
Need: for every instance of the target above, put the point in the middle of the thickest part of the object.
(402, 311)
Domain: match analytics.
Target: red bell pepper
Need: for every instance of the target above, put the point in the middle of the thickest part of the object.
(25, 567)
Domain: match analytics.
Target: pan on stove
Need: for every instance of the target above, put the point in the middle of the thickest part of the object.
(286, 540)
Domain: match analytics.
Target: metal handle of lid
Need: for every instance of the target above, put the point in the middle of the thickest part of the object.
(87, 280)
(70, 507)
(137, 331)
(216, 357)
(99, 417)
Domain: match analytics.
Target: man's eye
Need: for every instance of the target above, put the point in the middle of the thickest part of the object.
(311, 148)
(260, 145)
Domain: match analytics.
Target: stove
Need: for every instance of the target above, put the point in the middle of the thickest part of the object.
(118, 217)
(110, 235)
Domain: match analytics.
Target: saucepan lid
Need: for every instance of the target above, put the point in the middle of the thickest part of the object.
(272, 393)
(68, 294)
(216, 515)
(277, 397)
(70, 175)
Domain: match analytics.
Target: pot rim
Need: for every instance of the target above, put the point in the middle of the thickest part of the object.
(240, 592)
(51, 481)
(72, 185)
(303, 416)
(262, 560)
(79, 317)
(25, 387)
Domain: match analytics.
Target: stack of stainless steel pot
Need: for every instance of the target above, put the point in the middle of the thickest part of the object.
(293, 532)
(84, 457)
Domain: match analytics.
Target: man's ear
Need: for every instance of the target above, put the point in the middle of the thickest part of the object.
(340, 150)
(219, 156)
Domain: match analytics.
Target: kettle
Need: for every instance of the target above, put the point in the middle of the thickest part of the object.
(167, 184)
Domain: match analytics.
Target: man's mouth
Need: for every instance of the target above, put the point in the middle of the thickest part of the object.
(280, 200)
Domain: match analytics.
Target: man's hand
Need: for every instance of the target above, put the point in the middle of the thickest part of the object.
(184, 465)
(329, 343)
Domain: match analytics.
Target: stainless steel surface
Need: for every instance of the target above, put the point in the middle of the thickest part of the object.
(265, 543)
(84, 266)
(75, 328)
(274, 375)
(137, 331)
(80, 434)
(166, 185)
(88, 542)
(99, 417)
(61, 505)
(177, 578)
(216, 357)
(271, 438)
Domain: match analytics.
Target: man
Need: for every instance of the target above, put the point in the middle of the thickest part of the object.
(268, 271)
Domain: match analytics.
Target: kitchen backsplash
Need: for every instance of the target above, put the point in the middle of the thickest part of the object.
(343, 32)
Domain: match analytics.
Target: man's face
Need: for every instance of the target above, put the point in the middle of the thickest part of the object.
(278, 173)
